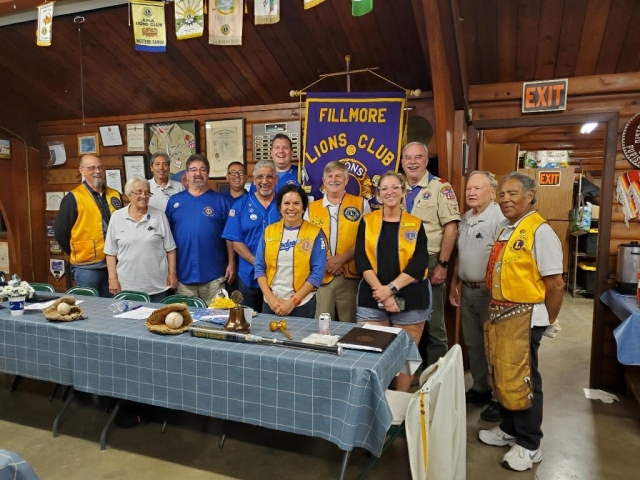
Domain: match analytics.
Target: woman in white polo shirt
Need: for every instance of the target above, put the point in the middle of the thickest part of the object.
(140, 250)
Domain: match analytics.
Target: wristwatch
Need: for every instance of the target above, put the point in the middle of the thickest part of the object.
(393, 288)
(443, 263)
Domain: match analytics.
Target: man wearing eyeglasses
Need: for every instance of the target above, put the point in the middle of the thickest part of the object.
(235, 177)
(433, 200)
(81, 225)
(247, 220)
(197, 217)
(161, 186)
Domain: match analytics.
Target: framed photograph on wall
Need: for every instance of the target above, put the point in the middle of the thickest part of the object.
(114, 179)
(88, 144)
(225, 144)
(134, 165)
(177, 139)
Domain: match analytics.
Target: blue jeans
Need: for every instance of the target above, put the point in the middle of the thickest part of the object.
(97, 278)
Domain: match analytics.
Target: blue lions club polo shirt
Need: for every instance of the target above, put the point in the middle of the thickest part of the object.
(246, 223)
(197, 224)
(290, 177)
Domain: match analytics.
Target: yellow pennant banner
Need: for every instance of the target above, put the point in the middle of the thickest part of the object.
(225, 22)
(189, 18)
(311, 3)
(45, 25)
(267, 11)
(149, 27)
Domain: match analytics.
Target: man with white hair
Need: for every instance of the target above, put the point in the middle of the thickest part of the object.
(81, 225)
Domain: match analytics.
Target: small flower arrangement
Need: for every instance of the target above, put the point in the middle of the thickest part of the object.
(17, 288)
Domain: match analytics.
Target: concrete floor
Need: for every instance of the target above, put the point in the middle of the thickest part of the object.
(584, 439)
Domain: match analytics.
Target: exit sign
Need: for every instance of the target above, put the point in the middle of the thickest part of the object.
(549, 178)
(550, 95)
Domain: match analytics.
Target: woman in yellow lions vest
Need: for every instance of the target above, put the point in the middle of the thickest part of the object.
(391, 253)
(291, 258)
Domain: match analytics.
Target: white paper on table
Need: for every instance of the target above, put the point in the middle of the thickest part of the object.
(592, 394)
(43, 305)
(381, 328)
(141, 313)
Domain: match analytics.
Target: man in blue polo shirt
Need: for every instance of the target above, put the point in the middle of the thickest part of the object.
(281, 154)
(197, 217)
(248, 218)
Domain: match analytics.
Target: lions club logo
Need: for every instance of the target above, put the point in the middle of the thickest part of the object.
(411, 235)
(352, 214)
(208, 211)
(306, 244)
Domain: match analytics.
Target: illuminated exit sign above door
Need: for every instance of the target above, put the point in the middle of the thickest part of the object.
(547, 96)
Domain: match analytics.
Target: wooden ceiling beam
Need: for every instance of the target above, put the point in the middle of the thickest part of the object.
(506, 135)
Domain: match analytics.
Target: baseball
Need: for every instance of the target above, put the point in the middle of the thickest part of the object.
(64, 309)
(174, 320)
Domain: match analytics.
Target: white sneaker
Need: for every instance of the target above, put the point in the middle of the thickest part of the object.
(496, 437)
(521, 459)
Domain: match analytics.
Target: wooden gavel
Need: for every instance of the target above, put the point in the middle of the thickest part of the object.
(282, 326)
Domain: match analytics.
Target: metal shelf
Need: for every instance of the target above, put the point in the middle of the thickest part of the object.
(574, 256)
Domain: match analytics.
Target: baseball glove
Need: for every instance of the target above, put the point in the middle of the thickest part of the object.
(156, 324)
(75, 313)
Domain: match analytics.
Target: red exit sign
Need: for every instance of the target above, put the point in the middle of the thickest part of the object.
(549, 179)
(550, 95)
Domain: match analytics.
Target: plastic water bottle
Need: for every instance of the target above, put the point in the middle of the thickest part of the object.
(121, 306)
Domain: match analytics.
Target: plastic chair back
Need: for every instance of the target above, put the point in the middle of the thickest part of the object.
(190, 301)
(83, 291)
(132, 295)
(43, 287)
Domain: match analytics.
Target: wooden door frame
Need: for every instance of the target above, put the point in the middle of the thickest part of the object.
(598, 329)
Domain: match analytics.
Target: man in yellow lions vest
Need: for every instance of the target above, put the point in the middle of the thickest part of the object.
(524, 276)
(81, 225)
(338, 213)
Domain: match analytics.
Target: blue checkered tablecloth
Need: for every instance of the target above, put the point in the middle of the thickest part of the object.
(340, 399)
(627, 334)
(14, 467)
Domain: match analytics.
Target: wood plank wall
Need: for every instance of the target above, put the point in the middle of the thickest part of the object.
(490, 113)
(66, 177)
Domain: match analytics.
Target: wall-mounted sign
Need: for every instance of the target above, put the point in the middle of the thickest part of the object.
(549, 178)
(546, 96)
(631, 140)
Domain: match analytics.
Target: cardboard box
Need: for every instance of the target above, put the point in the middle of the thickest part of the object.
(595, 212)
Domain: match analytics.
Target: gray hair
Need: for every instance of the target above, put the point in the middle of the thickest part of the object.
(490, 176)
(265, 164)
(528, 183)
(128, 187)
(411, 144)
(159, 154)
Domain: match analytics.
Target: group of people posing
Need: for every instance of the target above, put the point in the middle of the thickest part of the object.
(334, 255)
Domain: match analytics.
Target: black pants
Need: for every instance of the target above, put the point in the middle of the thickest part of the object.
(308, 310)
(251, 297)
(526, 425)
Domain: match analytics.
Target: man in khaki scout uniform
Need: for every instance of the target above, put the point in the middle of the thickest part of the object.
(338, 213)
(433, 200)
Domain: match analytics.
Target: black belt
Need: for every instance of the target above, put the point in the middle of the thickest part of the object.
(473, 285)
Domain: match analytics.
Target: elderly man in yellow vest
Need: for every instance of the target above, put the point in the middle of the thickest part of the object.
(81, 225)
(338, 213)
(524, 276)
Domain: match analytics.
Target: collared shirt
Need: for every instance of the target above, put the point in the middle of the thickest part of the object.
(547, 253)
(161, 195)
(476, 235)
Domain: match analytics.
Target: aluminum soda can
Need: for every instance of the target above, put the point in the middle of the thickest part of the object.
(324, 324)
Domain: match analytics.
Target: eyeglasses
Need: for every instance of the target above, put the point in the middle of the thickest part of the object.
(196, 170)
(236, 173)
(263, 177)
(393, 187)
(93, 168)
(143, 194)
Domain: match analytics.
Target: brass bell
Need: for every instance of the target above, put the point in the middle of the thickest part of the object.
(236, 321)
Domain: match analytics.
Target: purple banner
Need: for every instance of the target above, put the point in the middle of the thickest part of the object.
(363, 130)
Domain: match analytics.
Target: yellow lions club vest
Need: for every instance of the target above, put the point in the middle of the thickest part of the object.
(349, 216)
(518, 278)
(301, 252)
(87, 239)
(407, 238)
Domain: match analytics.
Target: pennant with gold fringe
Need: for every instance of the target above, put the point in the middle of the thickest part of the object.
(361, 7)
(225, 22)
(149, 27)
(45, 25)
(267, 12)
(189, 18)
(311, 3)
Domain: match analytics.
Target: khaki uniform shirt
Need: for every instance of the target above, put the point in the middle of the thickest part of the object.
(436, 205)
